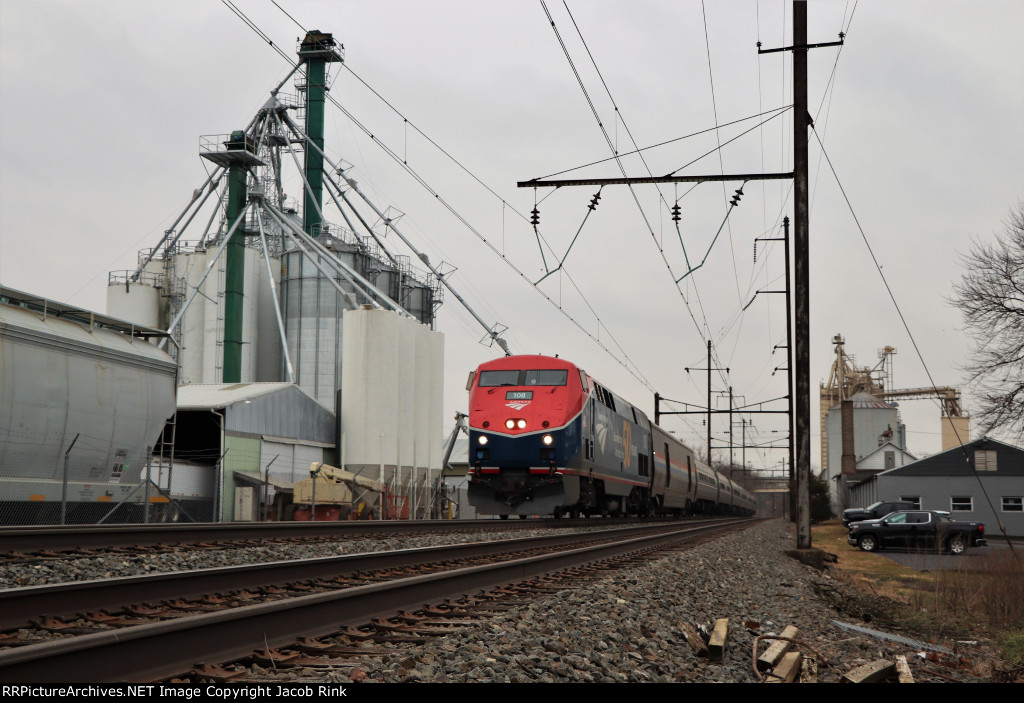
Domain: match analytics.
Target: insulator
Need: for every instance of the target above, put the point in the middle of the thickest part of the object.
(534, 217)
(593, 201)
(675, 213)
(755, 252)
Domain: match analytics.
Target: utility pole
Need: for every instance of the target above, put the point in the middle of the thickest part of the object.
(801, 282)
(789, 342)
(801, 200)
(789, 348)
(709, 369)
(732, 401)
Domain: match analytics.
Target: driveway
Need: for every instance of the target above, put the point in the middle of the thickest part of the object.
(976, 559)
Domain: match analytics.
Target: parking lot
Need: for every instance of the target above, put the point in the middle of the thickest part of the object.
(976, 559)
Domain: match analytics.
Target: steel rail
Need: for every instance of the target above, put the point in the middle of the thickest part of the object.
(35, 538)
(19, 605)
(161, 650)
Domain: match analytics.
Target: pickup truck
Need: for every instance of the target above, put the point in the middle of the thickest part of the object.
(875, 510)
(925, 529)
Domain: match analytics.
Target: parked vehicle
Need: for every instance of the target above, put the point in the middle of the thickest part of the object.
(875, 511)
(917, 529)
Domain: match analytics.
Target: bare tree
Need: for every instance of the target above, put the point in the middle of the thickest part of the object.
(991, 299)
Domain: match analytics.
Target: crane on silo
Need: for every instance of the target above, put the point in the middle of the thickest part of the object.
(846, 378)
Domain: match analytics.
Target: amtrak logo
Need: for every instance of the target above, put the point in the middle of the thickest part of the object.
(517, 405)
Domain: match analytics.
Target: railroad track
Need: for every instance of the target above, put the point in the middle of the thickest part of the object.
(20, 544)
(220, 615)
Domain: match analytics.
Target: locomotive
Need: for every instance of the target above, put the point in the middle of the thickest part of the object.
(545, 438)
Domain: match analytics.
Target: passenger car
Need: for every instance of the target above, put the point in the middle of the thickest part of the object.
(925, 529)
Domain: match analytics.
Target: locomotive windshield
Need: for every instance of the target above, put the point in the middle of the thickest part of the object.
(499, 378)
(554, 377)
(532, 377)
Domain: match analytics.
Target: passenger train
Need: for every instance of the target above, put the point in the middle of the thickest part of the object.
(547, 439)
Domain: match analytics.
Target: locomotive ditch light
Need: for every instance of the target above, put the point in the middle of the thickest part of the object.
(482, 440)
(547, 439)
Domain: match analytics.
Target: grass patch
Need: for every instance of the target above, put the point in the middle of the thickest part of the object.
(1011, 646)
(954, 602)
(871, 572)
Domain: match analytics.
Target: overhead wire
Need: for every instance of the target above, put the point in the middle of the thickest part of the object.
(615, 105)
(903, 319)
(297, 23)
(665, 143)
(738, 316)
(826, 95)
(705, 330)
(776, 111)
(696, 290)
(721, 158)
(626, 364)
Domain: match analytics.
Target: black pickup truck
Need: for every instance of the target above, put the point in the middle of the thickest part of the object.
(923, 529)
(875, 510)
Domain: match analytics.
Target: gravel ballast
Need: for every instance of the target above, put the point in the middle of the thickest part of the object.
(628, 627)
(63, 570)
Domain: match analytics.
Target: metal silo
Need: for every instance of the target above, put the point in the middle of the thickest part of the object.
(134, 301)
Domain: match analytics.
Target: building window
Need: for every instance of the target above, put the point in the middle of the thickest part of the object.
(963, 504)
(985, 460)
(916, 500)
(1013, 504)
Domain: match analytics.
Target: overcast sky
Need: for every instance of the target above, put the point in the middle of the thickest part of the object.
(102, 104)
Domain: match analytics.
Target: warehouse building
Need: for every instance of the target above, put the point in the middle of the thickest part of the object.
(981, 481)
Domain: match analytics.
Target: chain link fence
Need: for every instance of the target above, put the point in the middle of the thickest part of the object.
(79, 485)
(73, 486)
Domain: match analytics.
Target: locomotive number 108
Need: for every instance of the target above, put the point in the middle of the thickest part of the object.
(546, 438)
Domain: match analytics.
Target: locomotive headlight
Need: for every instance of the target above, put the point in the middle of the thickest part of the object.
(547, 439)
(510, 424)
(521, 424)
(482, 440)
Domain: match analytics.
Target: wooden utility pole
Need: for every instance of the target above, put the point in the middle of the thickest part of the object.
(801, 200)
(801, 277)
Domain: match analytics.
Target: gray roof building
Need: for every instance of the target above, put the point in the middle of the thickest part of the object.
(982, 481)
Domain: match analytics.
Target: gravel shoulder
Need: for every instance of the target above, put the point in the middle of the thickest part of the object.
(628, 627)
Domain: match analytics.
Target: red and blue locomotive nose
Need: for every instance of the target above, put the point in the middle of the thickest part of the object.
(535, 449)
